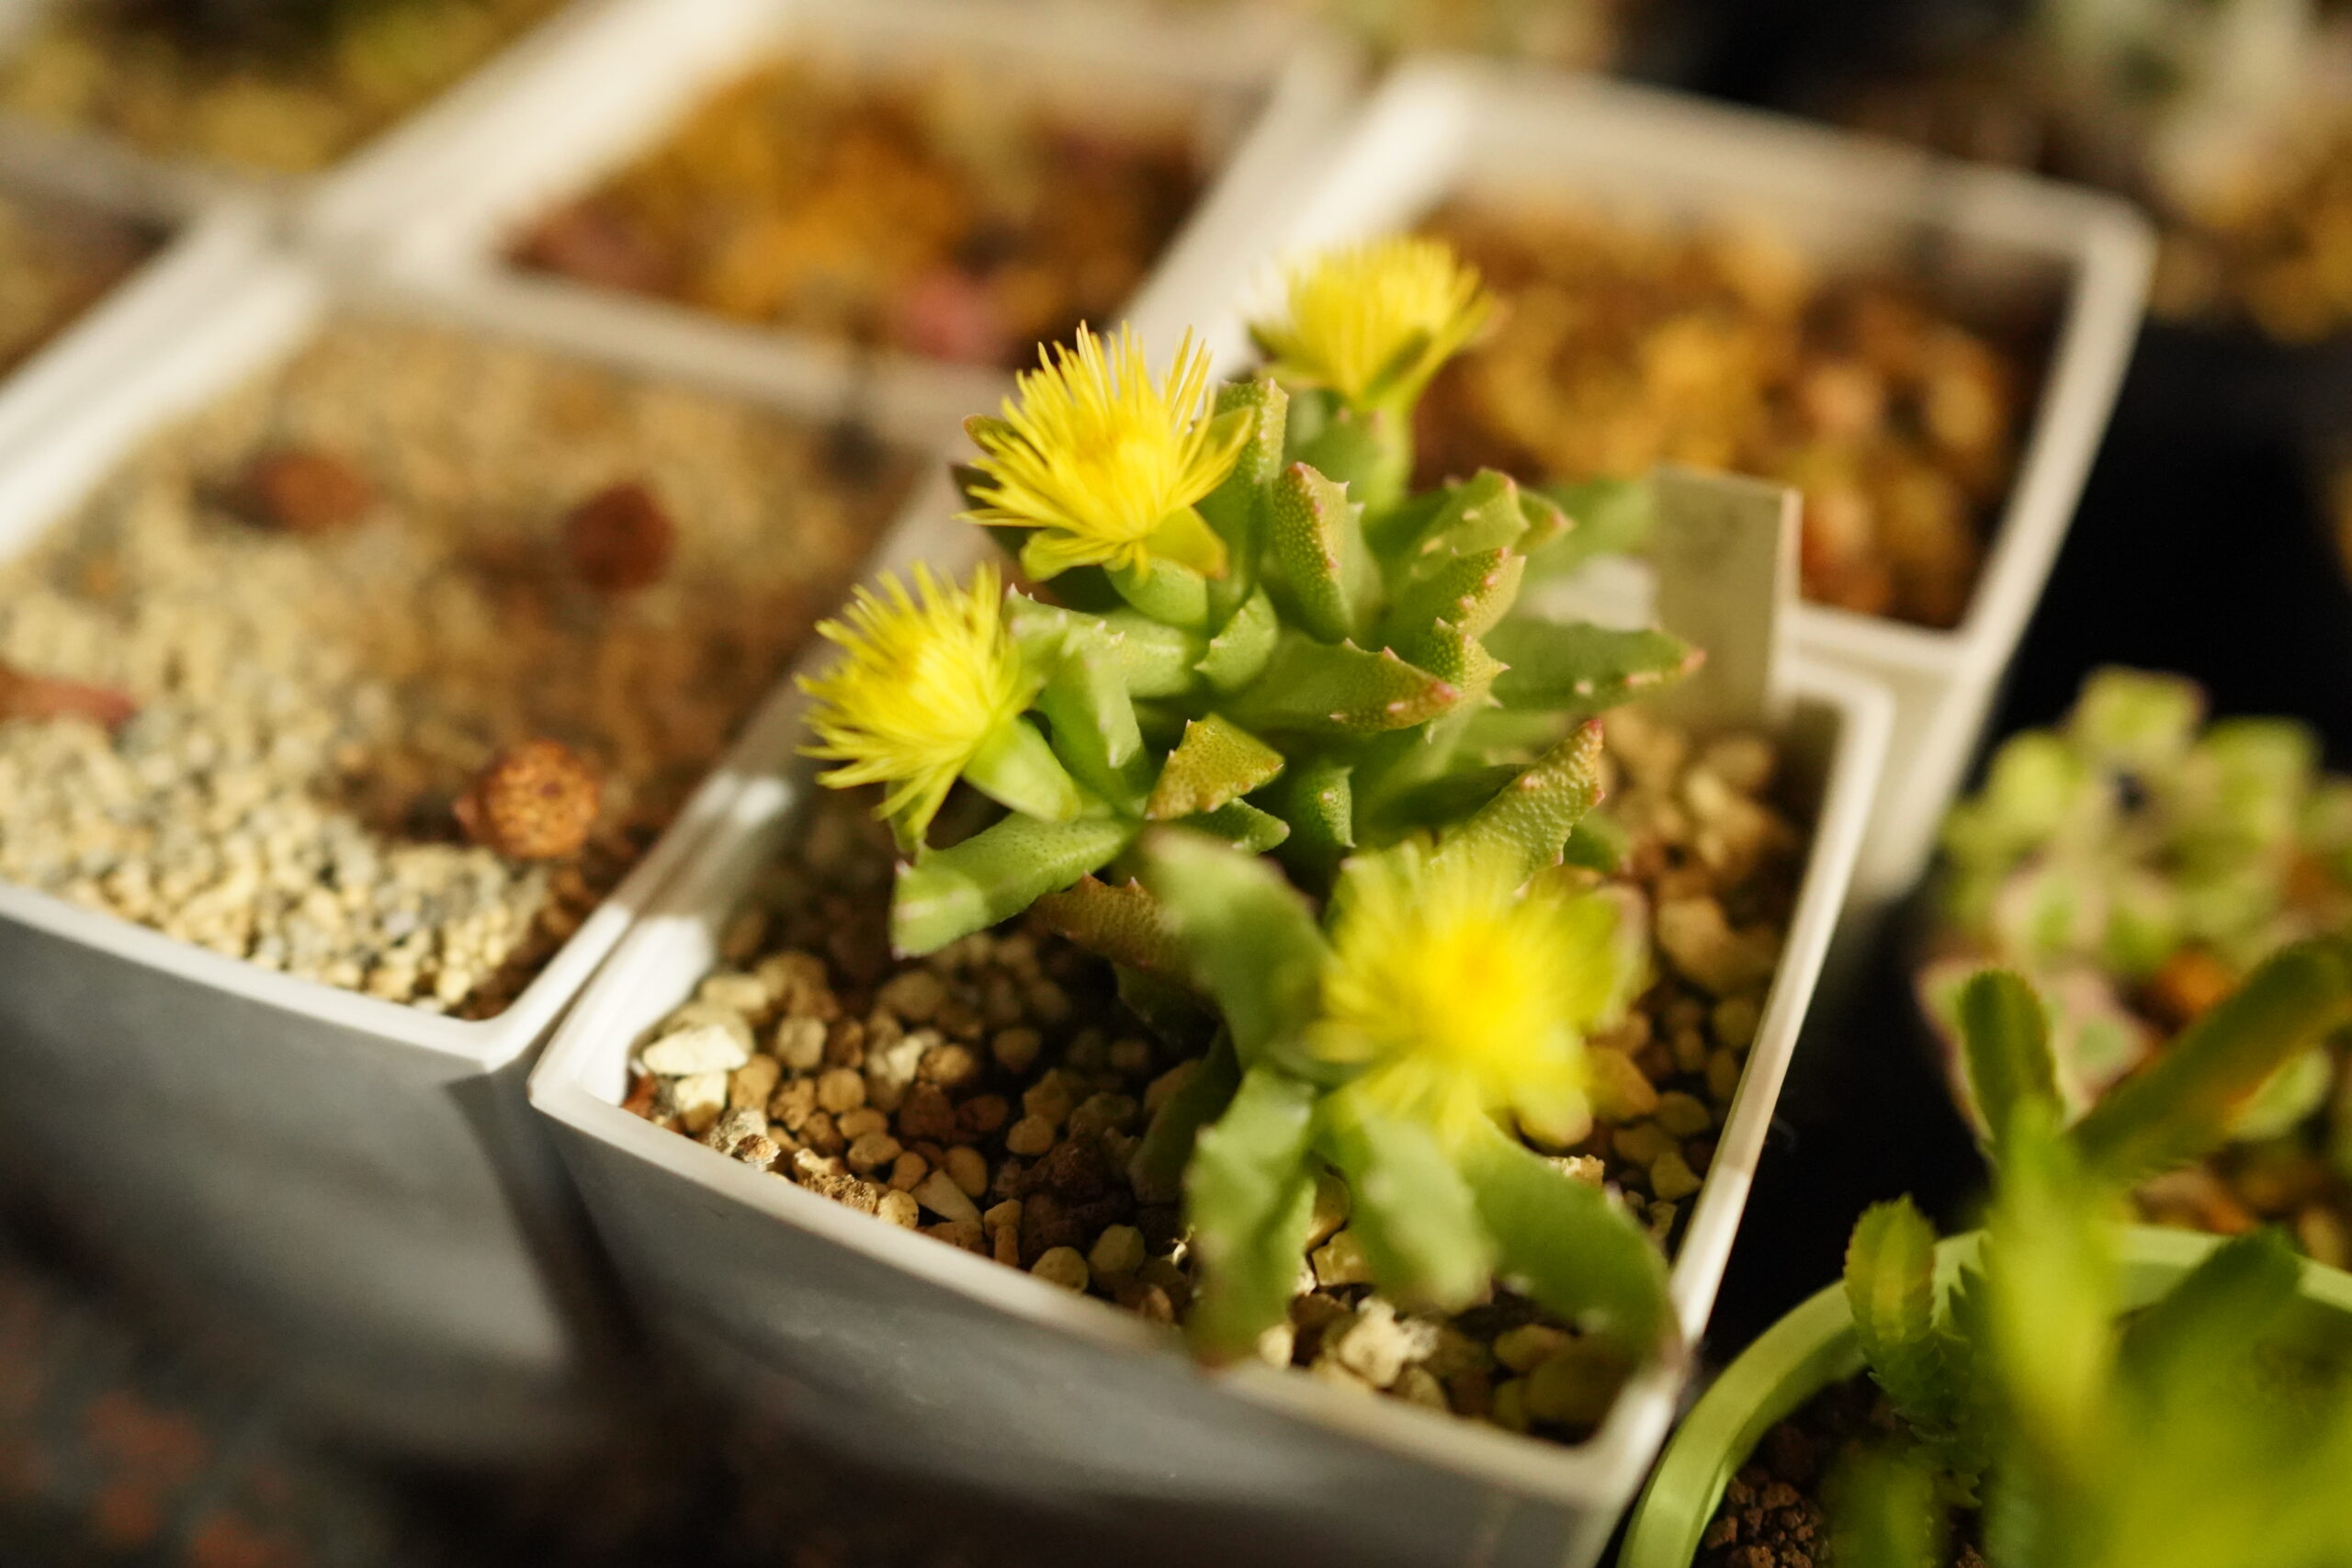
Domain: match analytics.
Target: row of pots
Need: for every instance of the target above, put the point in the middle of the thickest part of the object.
(390, 1220)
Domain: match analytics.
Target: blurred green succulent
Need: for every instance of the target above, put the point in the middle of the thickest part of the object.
(2135, 861)
(2213, 1427)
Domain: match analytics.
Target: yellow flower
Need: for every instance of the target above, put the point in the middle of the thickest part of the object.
(1106, 465)
(924, 682)
(1463, 999)
(1373, 322)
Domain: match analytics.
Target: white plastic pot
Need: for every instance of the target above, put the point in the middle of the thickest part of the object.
(349, 1186)
(973, 1378)
(1264, 93)
(1447, 129)
(191, 181)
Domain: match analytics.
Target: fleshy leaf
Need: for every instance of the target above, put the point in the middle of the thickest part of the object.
(994, 876)
(1411, 1210)
(1239, 652)
(1217, 760)
(1582, 668)
(2181, 1106)
(1249, 1192)
(1317, 800)
(1236, 509)
(1248, 936)
(1315, 551)
(1119, 921)
(2006, 1045)
(1477, 515)
(1885, 1513)
(1243, 826)
(1891, 1287)
(1015, 768)
(1472, 594)
(1156, 1170)
(1605, 517)
(1524, 827)
(1319, 688)
(1165, 590)
(1153, 659)
(2202, 1325)
(1568, 1244)
(1369, 452)
(1086, 703)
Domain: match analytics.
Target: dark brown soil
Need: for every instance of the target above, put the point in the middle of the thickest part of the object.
(1772, 1515)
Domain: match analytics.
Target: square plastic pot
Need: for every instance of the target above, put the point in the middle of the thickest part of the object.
(977, 1380)
(1444, 128)
(1262, 92)
(349, 1186)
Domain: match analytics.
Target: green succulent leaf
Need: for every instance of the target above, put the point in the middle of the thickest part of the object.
(1582, 670)
(995, 875)
(1152, 658)
(1887, 1512)
(1568, 1244)
(1243, 826)
(1522, 829)
(1248, 935)
(1249, 1192)
(2052, 1294)
(1470, 593)
(1239, 652)
(1891, 1286)
(1093, 720)
(2200, 1332)
(1370, 452)
(1604, 517)
(1217, 760)
(1236, 508)
(1597, 842)
(2006, 1043)
(1338, 689)
(1156, 1170)
(1317, 555)
(1411, 1210)
(2182, 1105)
(1119, 921)
(1478, 516)
(1015, 768)
(1166, 591)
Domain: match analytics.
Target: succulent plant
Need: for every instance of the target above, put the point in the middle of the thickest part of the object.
(1269, 733)
(2197, 91)
(2213, 1426)
(2135, 861)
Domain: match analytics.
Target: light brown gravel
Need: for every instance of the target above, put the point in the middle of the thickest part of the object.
(311, 707)
(1627, 344)
(289, 98)
(1001, 1087)
(940, 212)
